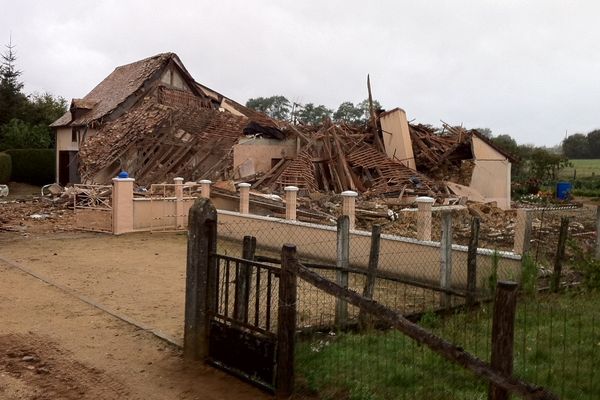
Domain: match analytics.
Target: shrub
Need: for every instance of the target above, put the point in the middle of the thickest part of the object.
(34, 166)
(5, 167)
(529, 275)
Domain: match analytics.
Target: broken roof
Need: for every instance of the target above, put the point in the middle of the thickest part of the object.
(162, 137)
(116, 88)
(127, 83)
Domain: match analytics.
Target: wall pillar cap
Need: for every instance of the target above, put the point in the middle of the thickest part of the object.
(206, 181)
(123, 180)
(425, 199)
(178, 179)
(291, 188)
(349, 193)
(244, 185)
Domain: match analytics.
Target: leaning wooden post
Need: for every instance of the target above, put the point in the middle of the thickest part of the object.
(598, 233)
(446, 259)
(342, 262)
(472, 262)
(503, 332)
(371, 271)
(286, 322)
(200, 279)
(243, 278)
(560, 253)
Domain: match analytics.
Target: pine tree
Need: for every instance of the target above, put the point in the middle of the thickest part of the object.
(12, 100)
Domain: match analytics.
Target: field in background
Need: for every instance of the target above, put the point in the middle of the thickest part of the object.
(584, 169)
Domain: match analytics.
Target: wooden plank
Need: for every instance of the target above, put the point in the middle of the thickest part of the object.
(472, 262)
(449, 351)
(200, 282)
(503, 332)
(376, 138)
(286, 323)
(560, 253)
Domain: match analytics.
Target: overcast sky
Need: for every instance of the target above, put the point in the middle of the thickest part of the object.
(530, 69)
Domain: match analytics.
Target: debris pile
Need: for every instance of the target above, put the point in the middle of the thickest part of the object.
(335, 158)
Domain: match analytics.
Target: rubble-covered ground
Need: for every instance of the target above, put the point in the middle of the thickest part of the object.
(26, 212)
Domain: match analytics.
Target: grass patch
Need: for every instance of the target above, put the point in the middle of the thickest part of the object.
(557, 345)
(584, 168)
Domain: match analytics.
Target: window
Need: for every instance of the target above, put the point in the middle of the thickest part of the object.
(74, 135)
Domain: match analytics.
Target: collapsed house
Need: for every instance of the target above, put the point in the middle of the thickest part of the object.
(152, 119)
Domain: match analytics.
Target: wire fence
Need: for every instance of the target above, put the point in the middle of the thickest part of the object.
(556, 336)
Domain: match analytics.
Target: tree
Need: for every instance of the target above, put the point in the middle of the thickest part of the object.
(366, 111)
(12, 100)
(593, 139)
(18, 134)
(310, 114)
(544, 164)
(487, 132)
(347, 112)
(506, 143)
(576, 146)
(277, 107)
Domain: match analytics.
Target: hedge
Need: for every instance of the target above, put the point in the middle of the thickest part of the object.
(5, 167)
(34, 166)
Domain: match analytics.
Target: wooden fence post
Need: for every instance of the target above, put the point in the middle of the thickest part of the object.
(200, 279)
(598, 233)
(472, 262)
(342, 262)
(560, 253)
(243, 278)
(286, 322)
(446, 258)
(503, 332)
(371, 270)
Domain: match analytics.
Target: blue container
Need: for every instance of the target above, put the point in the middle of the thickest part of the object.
(563, 190)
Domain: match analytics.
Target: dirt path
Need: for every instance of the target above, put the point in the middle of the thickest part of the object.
(53, 346)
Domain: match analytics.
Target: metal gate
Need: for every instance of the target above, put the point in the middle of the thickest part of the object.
(242, 328)
(92, 205)
(240, 315)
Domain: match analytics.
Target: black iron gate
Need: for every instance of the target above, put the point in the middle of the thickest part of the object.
(242, 328)
(240, 315)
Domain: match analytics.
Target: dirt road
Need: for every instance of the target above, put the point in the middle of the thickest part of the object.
(54, 346)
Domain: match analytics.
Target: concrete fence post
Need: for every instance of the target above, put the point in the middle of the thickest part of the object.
(244, 198)
(349, 206)
(522, 231)
(122, 205)
(291, 193)
(424, 205)
(205, 188)
(179, 220)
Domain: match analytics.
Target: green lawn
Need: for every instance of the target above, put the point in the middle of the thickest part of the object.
(557, 345)
(584, 168)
